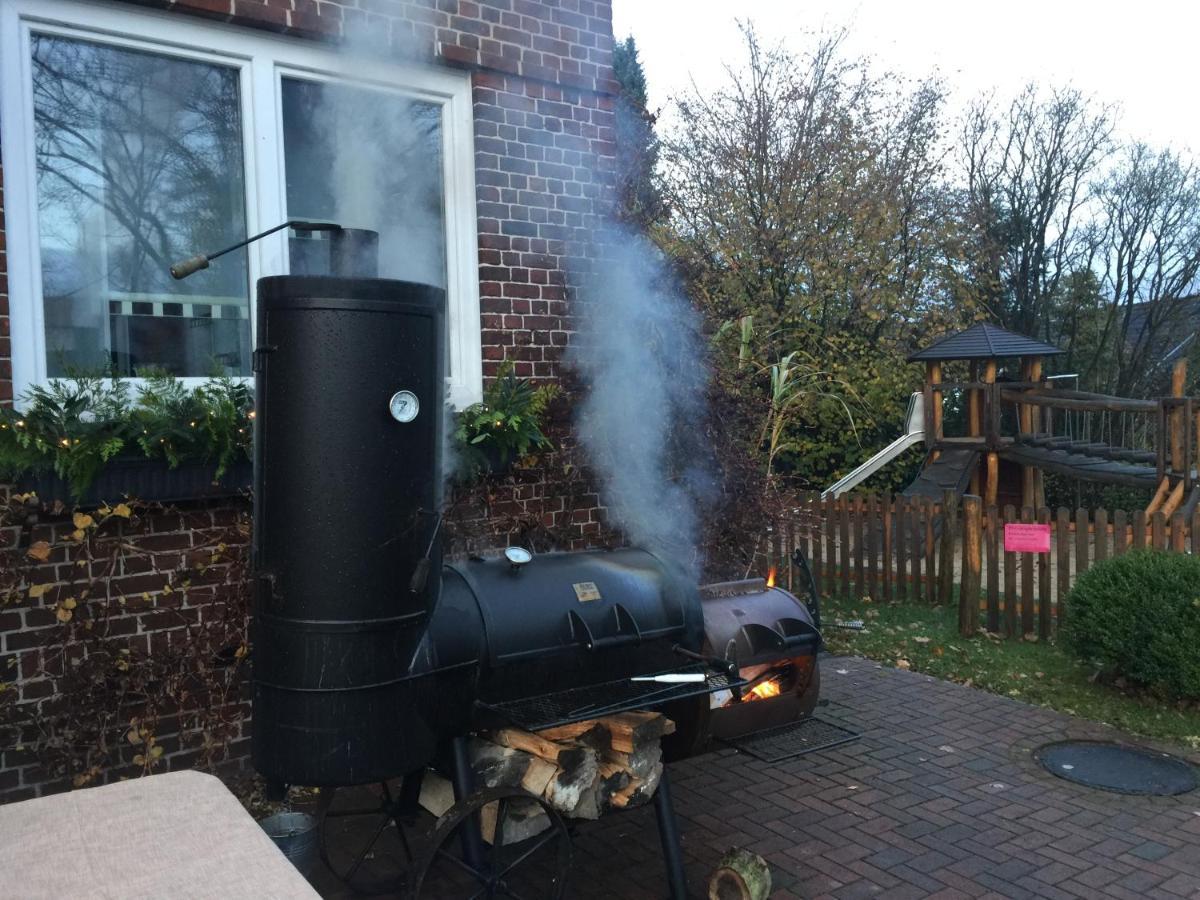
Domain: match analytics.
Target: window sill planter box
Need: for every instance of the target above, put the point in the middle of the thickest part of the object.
(149, 480)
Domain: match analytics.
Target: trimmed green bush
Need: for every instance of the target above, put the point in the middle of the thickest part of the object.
(1138, 617)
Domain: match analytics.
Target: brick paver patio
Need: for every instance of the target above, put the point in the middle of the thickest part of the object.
(940, 797)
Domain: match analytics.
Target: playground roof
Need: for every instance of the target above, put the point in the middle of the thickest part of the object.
(983, 341)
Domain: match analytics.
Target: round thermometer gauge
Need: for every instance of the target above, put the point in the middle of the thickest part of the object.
(404, 406)
(518, 556)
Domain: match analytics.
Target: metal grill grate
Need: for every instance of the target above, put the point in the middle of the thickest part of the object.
(793, 739)
(576, 704)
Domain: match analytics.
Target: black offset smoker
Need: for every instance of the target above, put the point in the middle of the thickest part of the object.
(372, 660)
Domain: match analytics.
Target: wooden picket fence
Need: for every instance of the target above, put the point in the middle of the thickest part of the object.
(895, 548)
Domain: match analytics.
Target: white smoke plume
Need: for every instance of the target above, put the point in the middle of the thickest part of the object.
(367, 156)
(641, 355)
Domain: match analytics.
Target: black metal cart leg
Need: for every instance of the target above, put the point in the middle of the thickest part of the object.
(668, 834)
(464, 786)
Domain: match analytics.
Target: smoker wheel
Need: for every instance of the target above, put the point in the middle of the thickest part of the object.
(364, 866)
(530, 869)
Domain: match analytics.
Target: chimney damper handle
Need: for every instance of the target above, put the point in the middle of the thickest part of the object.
(187, 267)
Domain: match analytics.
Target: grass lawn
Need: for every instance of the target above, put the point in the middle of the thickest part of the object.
(925, 639)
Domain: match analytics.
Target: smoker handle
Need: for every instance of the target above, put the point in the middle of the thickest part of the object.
(797, 634)
(582, 634)
(797, 641)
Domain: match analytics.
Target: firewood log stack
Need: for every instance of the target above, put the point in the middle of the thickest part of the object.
(580, 769)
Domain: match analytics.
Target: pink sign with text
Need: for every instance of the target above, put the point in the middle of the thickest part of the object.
(1026, 537)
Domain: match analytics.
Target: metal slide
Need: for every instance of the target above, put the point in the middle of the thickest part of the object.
(914, 433)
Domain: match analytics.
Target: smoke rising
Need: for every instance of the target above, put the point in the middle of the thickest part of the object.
(368, 157)
(641, 354)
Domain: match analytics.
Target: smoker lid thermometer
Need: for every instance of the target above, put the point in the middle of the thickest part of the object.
(518, 556)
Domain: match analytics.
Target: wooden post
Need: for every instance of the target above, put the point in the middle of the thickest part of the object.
(872, 548)
(1027, 564)
(931, 571)
(1100, 535)
(1039, 477)
(1045, 601)
(1139, 529)
(974, 426)
(1063, 526)
(949, 527)
(1081, 542)
(995, 548)
(901, 548)
(992, 489)
(992, 484)
(1178, 424)
(817, 560)
(844, 534)
(1010, 581)
(1120, 532)
(933, 424)
(968, 597)
(1031, 371)
(860, 556)
(914, 548)
(885, 521)
(830, 526)
(1178, 533)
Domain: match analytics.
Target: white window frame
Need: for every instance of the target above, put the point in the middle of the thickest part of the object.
(262, 60)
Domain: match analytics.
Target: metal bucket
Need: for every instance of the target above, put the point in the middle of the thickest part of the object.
(295, 833)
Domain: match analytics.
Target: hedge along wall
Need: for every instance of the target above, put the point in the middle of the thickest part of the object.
(165, 590)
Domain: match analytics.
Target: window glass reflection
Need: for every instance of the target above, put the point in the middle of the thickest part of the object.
(139, 163)
(367, 159)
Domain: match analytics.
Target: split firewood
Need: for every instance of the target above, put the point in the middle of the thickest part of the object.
(740, 875)
(522, 819)
(640, 763)
(611, 780)
(633, 730)
(579, 769)
(592, 733)
(568, 787)
(437, 794)
(639, 790)
(567, 756)
(497, 766)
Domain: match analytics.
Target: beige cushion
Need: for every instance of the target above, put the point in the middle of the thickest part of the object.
(178, 835)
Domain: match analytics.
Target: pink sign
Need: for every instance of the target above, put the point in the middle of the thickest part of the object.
(1023, 537)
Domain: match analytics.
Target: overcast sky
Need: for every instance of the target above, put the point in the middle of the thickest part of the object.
(1141, 55)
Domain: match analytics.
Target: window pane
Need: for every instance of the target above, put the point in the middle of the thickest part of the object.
(139, 164)
(368, 159)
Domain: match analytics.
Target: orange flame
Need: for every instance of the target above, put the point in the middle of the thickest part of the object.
(771, 577)
(764, 690)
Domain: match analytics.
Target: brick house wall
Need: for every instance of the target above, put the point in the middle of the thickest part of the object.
(543, 98)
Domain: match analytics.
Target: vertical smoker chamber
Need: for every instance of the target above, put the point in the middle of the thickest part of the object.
(345, 508)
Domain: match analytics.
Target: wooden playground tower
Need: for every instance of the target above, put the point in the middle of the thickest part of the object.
(1029, 426)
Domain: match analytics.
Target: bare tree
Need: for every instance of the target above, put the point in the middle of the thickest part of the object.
(1149, 208)
(1026, 170)
(809, 192)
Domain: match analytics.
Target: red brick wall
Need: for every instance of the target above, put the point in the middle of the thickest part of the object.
(544, 142)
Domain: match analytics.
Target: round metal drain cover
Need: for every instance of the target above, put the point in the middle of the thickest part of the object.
(1112, 767)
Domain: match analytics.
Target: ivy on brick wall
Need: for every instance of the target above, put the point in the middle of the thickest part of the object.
(125, 638)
